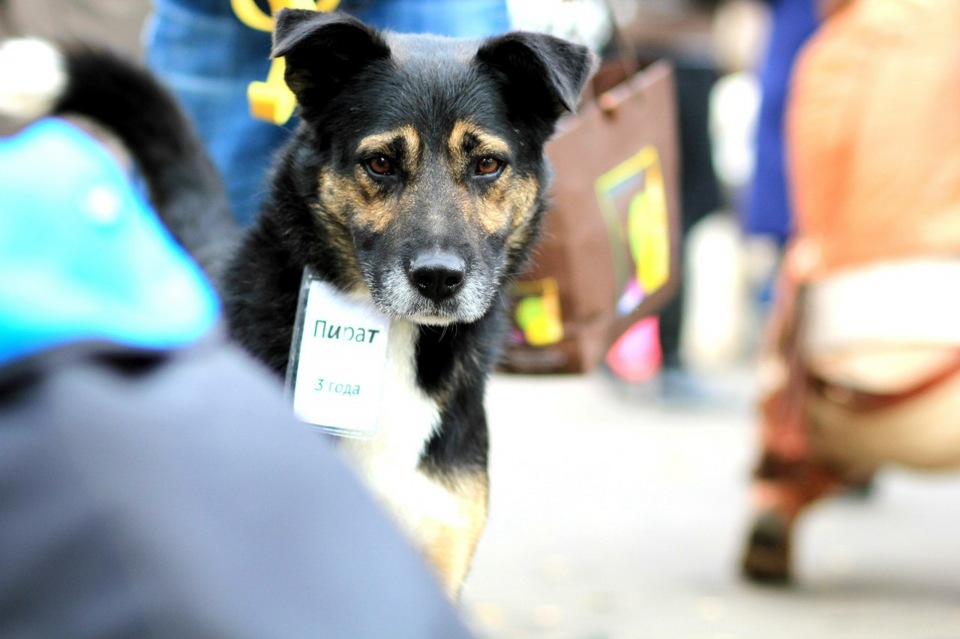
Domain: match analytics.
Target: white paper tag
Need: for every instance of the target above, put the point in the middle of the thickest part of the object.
(338, 360)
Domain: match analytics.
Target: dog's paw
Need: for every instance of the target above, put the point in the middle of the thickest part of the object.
(33, 76)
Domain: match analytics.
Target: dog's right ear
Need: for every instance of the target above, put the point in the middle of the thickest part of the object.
(323, 51)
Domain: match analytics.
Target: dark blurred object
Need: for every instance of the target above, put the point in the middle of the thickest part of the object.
(170, 494)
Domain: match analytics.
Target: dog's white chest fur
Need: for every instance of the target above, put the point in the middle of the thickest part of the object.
(388, 463)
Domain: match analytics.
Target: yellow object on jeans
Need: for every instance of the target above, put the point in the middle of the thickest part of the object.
(272, 100)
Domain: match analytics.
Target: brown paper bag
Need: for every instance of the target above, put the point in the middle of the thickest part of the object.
(609, 254)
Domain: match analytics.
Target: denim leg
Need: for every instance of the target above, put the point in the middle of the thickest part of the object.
(208, 59)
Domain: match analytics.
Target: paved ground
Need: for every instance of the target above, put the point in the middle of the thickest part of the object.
(614, 517)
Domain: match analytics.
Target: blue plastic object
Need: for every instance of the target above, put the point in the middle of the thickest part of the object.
(82, 254)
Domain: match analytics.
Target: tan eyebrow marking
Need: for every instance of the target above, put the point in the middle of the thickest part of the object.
(406, 136)
(482, 142)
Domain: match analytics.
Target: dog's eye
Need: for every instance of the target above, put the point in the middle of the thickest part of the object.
(489, 166)
(380, 165)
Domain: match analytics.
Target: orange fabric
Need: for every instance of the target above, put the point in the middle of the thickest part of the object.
(873, 144)
(873, 131)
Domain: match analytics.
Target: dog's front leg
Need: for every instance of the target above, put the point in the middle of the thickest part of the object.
(449, 525)
(442, 515)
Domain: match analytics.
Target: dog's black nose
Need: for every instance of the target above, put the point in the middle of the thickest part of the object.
(437, 274)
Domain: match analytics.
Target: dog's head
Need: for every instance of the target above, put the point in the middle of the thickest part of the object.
(428, 153)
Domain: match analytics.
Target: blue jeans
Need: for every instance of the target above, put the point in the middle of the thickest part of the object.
(208, 57)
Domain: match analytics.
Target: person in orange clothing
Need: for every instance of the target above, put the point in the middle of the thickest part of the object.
(862, 364)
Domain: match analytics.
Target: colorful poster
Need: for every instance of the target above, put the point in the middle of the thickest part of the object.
(633, 200)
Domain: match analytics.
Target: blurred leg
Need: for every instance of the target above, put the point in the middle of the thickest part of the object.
(788, 477)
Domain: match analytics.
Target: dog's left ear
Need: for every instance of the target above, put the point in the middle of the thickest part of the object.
(543, 75)
(323, 51)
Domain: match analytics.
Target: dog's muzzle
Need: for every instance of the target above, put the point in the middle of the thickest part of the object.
(434, 286)
(437, 274)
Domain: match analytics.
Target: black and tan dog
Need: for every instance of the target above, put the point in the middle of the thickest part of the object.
(414, 185)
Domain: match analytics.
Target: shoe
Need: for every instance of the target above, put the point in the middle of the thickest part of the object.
(768, 553)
